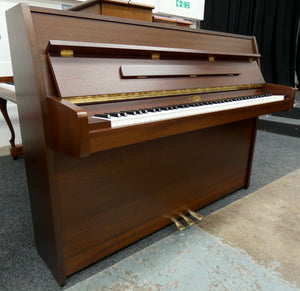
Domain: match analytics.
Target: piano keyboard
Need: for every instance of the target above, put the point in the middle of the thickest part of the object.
(154, 114)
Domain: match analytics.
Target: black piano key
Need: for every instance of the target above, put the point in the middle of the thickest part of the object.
(117, 114)
(179, 106)
(152, 109)
(103, 115)
(133, 112)
(157, 109)
(130, 112)
(183, 106)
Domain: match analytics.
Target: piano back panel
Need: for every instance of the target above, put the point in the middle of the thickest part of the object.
(132, 191)
(71, 26)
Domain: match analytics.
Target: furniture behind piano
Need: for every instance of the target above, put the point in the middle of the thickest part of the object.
(174, 21)
(116, 8)
(95, 186)
(7, 93)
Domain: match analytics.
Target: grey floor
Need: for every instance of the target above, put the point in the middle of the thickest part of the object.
(22, 269)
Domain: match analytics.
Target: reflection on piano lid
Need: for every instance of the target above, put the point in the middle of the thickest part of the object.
(153, 114)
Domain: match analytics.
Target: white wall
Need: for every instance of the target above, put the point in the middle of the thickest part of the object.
(5, 62)
(176, 8)
(162, 7)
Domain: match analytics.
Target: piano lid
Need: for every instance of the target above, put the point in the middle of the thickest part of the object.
(101, 72)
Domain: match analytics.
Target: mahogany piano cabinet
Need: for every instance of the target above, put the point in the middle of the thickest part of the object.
(127, 125)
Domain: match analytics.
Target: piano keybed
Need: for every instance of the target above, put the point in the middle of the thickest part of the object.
(154, 114)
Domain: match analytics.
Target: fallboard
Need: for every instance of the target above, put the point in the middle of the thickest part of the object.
(100, 72)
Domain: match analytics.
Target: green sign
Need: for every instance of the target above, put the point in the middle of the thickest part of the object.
(183, 4)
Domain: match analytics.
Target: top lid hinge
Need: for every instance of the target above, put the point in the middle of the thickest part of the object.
(67, 53)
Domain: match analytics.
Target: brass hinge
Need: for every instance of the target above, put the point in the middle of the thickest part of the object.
(155, 56)
(67, 53)
(211, 58)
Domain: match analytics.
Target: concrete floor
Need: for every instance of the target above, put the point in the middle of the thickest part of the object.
(265, 225)
(251, 244)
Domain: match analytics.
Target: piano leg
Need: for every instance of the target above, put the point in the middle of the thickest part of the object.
(15, 151)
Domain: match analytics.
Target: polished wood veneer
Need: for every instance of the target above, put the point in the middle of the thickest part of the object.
(95, 189)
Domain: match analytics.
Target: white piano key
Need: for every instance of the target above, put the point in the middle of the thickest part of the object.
(189, 111)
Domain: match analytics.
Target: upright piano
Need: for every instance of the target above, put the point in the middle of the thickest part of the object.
(129, 125)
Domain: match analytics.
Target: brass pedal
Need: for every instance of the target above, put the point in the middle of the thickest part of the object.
(187, 219)
(177, 223)
(196, 215)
